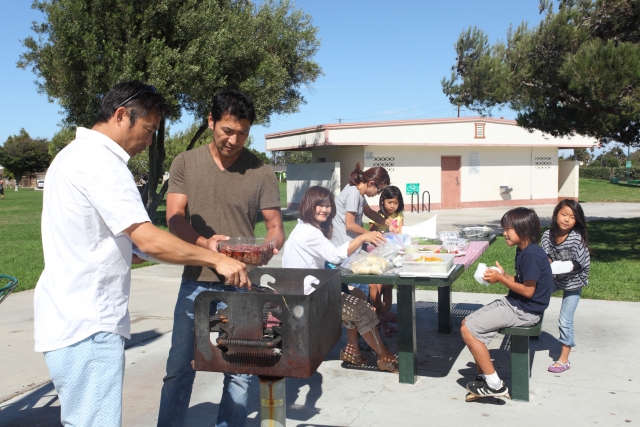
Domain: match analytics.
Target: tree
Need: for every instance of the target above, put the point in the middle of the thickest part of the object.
(22, 155)
(581, 155)
(613, 158)
(190, 50)
(577, 72)
(61, 139)
(283, 158)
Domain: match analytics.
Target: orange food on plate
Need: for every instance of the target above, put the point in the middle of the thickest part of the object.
(428, 259)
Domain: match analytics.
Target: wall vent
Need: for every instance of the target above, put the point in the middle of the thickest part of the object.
(386, 162)
(542, 163)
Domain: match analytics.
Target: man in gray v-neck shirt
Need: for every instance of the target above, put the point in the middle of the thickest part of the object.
(223, 186)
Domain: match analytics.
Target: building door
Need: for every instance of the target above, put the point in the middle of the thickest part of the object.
(450, 178)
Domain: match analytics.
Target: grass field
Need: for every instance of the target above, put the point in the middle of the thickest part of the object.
(595, 190)
(615, 271)
(20, 239)
(615, 262)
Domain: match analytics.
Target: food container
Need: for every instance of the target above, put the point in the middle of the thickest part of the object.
(250, 250)
(411, 249)
(444, 235)
(475, 232)
(418, 263)
(456, 243)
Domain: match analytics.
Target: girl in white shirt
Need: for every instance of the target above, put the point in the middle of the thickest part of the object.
(309, 246)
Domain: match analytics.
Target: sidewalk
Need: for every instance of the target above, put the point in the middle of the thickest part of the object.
(602, 387)
(589, 394)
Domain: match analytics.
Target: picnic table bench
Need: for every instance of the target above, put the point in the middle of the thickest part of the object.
(520, 361)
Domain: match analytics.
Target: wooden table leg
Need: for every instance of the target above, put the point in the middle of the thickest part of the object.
(407, 348)
(444, 309)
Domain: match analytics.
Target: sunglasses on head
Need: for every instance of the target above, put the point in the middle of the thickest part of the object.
(150, 89)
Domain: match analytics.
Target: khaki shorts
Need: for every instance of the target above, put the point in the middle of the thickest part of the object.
(486, 321)
(357, 313)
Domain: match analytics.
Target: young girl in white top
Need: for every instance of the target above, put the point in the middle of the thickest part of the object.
(309, 246)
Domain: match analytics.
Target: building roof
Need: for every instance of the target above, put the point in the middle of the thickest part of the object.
(462, 131)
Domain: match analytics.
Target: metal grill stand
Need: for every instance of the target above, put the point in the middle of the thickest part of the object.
(273, 403)
(272, 335)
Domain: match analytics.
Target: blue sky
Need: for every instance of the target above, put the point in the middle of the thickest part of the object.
(382, 61)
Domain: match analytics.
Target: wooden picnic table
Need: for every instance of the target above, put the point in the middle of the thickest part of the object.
(406, 305)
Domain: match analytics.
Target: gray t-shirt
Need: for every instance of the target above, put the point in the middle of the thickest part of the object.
(349, 200)
(222, 201)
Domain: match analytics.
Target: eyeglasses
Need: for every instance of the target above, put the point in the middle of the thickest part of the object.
(378, 188)
(150, 89)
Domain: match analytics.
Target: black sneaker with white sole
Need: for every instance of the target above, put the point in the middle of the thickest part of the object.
(480, 388)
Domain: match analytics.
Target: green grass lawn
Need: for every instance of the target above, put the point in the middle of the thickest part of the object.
(20, 238)
(21, 242)
(596, 190)
(615, 262)
(615, 269)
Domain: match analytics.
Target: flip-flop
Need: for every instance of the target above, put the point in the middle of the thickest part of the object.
(559, 369)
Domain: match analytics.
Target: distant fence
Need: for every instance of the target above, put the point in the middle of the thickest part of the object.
(599, 172)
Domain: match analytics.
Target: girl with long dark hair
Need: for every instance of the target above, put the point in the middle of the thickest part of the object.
(566, 243)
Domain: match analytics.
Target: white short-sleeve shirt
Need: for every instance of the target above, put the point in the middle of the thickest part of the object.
(307, 247)
(89, 200)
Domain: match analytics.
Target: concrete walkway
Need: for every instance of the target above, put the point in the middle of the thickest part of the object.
(602, 388)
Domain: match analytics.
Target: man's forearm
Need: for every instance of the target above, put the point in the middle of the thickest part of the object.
(166, 247)
(169, 248)
(277, 232)
(181, 228)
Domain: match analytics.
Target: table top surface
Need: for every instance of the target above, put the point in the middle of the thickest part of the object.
(405, 281)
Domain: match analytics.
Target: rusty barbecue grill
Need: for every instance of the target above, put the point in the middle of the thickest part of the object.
(270, 334)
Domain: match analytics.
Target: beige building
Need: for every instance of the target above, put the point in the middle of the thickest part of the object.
(453, 163)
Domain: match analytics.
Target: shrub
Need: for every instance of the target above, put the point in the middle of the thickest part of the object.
(599, 172)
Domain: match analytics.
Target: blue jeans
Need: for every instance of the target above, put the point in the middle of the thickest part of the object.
(570, 301)
(88, 378)
(178, 383)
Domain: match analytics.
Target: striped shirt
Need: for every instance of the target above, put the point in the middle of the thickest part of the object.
(571, 249)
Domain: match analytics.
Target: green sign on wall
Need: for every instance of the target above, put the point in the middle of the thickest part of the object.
(411, 188)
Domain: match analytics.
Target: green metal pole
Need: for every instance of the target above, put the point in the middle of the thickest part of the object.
(407, 343)
(520, 368)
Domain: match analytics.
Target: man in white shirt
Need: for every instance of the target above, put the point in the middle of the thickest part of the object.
(92, 212)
